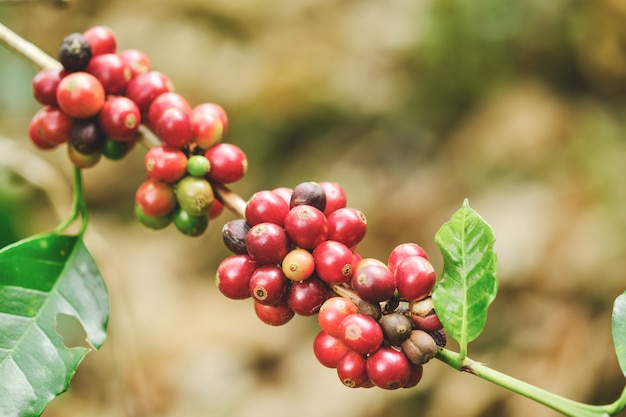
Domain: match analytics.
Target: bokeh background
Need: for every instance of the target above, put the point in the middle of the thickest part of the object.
(412, 105)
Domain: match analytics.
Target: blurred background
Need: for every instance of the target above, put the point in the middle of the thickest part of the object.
(411, 105)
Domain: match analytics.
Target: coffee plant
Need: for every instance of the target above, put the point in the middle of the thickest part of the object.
(294, 250)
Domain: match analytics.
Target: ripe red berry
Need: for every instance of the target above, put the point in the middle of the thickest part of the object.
(228, 163)
(216, 209)
(332, 313)
(402, 251)
(274, 315)
(155, 198)
(347, 225)
(374, 283)
(361, 333)
(268, 284)
(333, 262)
(45, 84)
(267, 243)
(144, 88)
(266, 206)
(352, 371)
(164, 102)
(306, 297)
(306, 226)
(209, 124)
(51, 126)
(388, 368)
(119, 118)
(80, 95)
(298, 264)
(284, 193)
(165, 163)
(174, 128)
(101, 39)
(328, 349)
(111, 71)
(136, 60)
(35, 138)
(335, 196)
(415, 377)
(415, 278)
(233, 276)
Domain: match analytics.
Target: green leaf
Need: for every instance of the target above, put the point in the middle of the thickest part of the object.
(468, 283)
(619, 330)
(41, 278)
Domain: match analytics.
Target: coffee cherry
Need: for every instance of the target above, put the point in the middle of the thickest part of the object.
(164, 102)
(266, 206)
(86, 136)
(298, 264)
(51, 126)
(35, 138)
(83, 160)
(306, 226)
(328, 349)
(45, 84)
(308, 193)
(372, 310)
(374, 283)
(424, 316)
(174, 128)
(119, 118)
(155, 198)
(332, 312)
(306, 297)
(347, 225)
(165, 163)
(74, 52)
(234, 235)
(351, 370)
(194, 195)
(137, 62)
(420, 347)
(144, 88)
(152, 222)
(396, 328)
(111, 71)
(267, 243)
(415, 278)
(333, 262)
(274, 315)
(268, 284)
(190, 225)
(216, 209)
(233, 276)
(335, 196)
(209, 123)
(361, 333)
(416, 376)
(80, 95)
(228, 163)
(198, 166)
(388, 368)
(101, 40)
(284, 193)
(402, 251)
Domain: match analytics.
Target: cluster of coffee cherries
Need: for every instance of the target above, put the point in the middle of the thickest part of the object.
(295, 253)
(96, 103)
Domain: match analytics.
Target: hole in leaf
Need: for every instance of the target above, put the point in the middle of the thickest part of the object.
(71, 331)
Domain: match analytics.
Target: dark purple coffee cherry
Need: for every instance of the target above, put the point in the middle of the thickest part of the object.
(87, 138)
(234, 235)
(75, 52)
(308, 193)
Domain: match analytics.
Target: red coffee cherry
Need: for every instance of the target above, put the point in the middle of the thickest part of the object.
(267, 243)
(415, 377)
(298, 264)
(335, 196)
(36, 139)
(228, 163)
(119, 118)
(45, 84)
(111, 71)
(374, 283)
(164, 102)
(284, 193)
(306, 226)
(415, 278)
(233, 276)
(216, 209)
(266, 206)
(50, 126)
(402, 251)
(155, 198)
(80, 95)
(328, 349)
(333, 262)
(347, 225)
(144, 88)
(388, 368)
(274, 315)
(306, 297)
(137, 61)
(165, 163)
(361, 333)
(268, 284)
(101, 39)
(332, 313)
(174, 128)
(209, 124)
(351, 370)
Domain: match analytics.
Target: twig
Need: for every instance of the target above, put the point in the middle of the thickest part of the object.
(32, 53)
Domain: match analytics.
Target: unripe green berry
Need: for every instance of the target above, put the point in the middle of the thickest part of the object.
(198, 166)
